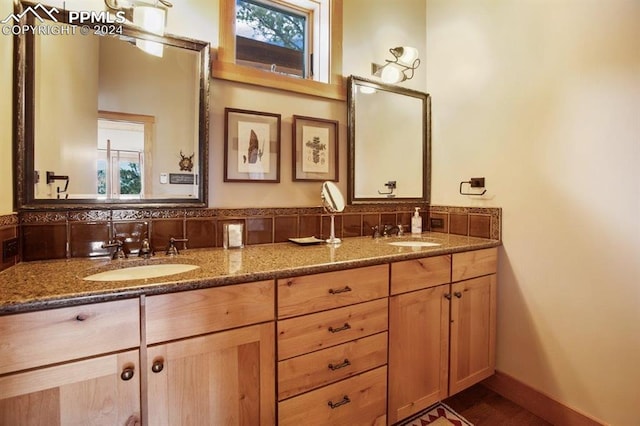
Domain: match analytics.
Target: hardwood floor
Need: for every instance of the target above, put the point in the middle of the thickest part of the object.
(484, 407)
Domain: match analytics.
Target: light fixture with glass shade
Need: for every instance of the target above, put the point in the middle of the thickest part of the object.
(149, 17)
(401, 68)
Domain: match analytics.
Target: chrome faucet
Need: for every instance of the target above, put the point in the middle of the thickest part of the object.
(172, 250)
(375, 232)
(119, 252)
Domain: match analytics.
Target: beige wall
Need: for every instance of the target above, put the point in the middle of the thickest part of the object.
(543, 99)
(6, 102)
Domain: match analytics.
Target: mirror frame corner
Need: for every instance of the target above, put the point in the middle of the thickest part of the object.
(23, 122)
(353, 82)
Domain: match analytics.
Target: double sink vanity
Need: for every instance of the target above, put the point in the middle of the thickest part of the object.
(364, 332)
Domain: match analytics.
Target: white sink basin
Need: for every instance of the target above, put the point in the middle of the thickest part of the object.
(141, 272)
(413, 244)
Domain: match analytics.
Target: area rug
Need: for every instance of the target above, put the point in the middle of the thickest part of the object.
(437, 415)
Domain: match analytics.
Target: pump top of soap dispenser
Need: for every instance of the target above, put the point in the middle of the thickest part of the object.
(416, 213)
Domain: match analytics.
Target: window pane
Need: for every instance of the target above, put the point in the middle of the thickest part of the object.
(102, 177)
(270, 38)
(130, 181)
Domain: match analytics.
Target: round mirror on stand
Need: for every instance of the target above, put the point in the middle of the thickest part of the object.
(333, 202)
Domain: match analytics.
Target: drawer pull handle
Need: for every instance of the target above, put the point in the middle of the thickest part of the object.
(127, 374)
(346, 326)
(81, 317)
(340, 290)
(334, 367)
(157, 366)
(457, 294)
(345, 400)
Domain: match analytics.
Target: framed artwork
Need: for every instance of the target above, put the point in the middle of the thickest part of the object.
(251, 146)
(315, 149)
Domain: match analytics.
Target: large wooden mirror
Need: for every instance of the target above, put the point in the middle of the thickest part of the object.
(101, 122)
(389, 138)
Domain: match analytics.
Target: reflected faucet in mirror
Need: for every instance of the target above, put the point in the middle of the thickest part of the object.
(333, 202)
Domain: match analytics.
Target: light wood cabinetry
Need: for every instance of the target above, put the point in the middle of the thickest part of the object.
(332, 347)
(473, 332)
(212, 360)
(76, 365)
(441, 329)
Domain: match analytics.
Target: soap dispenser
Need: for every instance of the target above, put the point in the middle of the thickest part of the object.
(416, 222)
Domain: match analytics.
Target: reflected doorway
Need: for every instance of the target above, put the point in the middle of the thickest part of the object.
(124, 141)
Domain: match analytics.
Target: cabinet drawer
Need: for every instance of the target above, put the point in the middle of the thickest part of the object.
(314, 293)
(476, 263)
(36, 339)
(297, 336)
(189, 313)
(359, 400)
(310, 371)
(417, 274)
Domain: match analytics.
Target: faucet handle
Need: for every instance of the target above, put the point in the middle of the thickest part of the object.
(400, 231)
(119, 252)
(172, 250)
(375, 232)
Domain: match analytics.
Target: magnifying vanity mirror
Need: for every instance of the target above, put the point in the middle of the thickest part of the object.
(389, 143)
(333, 202)
(100, 121)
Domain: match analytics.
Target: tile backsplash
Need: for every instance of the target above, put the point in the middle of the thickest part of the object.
(58, 235)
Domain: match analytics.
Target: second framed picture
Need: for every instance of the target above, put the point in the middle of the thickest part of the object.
(251, 146)
(315, 149)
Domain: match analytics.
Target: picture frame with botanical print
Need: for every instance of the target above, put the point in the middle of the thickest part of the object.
(251, 146)
(315, 149)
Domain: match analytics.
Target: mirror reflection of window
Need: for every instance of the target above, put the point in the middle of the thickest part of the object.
(120, 159)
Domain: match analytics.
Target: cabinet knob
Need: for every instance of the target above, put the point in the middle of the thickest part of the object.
(345, 400)
(157, 366)
(127, 374)
(447, 296)
(457, 294)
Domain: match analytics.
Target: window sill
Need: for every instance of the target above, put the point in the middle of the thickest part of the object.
(232, 72)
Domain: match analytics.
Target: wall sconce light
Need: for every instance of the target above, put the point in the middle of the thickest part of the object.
(150, 18)
(401, 68)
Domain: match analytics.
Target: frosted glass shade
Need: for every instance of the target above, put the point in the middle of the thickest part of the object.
(409, 55)
(151, 19)
(392, 74)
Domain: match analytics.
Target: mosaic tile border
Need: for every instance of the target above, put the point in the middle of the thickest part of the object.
(9, 220)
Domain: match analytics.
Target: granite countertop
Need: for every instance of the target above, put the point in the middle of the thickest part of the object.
(31, 286)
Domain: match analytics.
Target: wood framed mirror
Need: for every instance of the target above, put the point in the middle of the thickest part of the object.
(389, 143)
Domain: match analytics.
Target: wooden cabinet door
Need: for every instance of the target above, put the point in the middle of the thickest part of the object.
(473, 324)
(226, 378)
(418, 350)
(96, 391)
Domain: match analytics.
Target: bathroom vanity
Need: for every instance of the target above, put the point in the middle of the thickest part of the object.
(361, 333)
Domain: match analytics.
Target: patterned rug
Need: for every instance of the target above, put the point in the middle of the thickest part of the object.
(437, 415)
